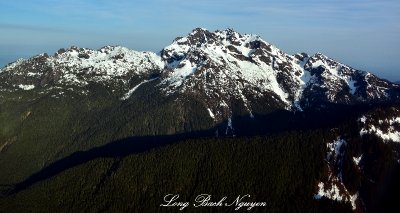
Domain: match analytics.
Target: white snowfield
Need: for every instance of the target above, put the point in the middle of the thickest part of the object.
(228, 68)
(78, 66)
(105, 64)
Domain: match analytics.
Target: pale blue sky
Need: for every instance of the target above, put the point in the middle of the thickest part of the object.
(361, 33)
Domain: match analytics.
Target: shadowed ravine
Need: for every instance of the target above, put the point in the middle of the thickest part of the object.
(243, 126)
(117, 149)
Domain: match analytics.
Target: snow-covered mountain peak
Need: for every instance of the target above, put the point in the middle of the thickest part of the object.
(12, 65)
(221, 68)
(303, 57)
(234, 66)
(79, 66)
(343, 84)
(226, 40)
(245, 67)
(110, 62)
(330, 66)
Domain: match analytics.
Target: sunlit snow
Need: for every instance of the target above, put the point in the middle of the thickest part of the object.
(26, 87)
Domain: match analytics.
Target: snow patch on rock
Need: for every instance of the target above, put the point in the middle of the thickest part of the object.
(387, 130)
(26, 87)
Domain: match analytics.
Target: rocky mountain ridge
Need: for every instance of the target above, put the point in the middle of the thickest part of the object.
(219, 68)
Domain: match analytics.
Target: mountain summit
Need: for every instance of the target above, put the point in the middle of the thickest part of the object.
(220, 69)
(245, 67)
